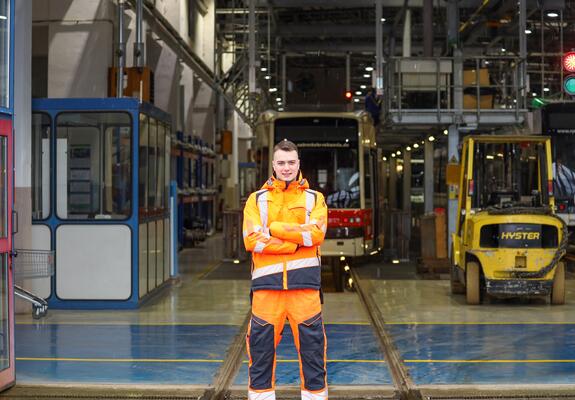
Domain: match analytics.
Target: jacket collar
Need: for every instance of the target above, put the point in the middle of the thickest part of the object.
(274, 183)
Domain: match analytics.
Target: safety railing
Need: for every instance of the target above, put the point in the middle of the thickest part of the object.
(490, 85)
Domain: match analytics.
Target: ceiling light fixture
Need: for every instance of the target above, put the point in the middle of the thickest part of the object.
(369, 69)
(552, 14)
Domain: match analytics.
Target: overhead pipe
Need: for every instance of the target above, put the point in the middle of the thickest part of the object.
(252, 47)
(121, 52)
(139, 49)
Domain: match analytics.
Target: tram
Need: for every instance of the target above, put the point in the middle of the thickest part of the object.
(338, 156)
(557, 121)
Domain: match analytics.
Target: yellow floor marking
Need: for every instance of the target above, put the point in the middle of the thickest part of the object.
(490, 361)
(128, 323)
(125, 323)
(480, 323)
(118, 360)
(209, 269)
(159, 360)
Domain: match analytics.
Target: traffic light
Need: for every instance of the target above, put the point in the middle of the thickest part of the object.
(569, 68)
(348, 95)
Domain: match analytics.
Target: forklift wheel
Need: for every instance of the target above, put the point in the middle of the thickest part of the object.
(456, 286)
(558, 290)
(472, 283)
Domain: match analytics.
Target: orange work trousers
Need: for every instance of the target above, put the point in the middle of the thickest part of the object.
(302, 308)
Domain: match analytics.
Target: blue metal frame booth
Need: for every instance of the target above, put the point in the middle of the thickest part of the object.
(100, 200)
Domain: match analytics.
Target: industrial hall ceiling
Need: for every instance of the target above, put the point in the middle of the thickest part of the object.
(315, 39)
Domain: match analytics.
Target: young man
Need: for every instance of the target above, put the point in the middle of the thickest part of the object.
(284, 224)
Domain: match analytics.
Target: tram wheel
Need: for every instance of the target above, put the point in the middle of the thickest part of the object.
(472, 283)
(558, 289)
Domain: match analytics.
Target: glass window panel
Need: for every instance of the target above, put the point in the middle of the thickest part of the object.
(95, 151)
(4, 314)
(4, 53)
(40, 165)
(506, 173)
(143, 178)
(152, 164)
(328, 152)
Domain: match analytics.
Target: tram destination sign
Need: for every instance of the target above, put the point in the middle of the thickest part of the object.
(323, 144)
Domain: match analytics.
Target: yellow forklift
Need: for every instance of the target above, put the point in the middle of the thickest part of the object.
(508, 240)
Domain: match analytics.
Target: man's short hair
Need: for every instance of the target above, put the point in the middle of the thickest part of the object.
(286, 145)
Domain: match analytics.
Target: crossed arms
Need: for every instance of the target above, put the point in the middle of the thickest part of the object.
(283, 237)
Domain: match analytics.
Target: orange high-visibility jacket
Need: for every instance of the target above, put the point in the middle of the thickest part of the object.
(286, 255)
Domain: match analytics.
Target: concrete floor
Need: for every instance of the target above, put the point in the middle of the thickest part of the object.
(181, 337)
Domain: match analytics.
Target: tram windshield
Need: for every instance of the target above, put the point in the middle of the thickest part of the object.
(507, 174)
(329, 156)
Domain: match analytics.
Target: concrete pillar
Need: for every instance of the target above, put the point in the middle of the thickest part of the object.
(406, 203)
(428, 28)
(428, 177)
(392, 183)
(452, 190)
(452, 24)
(22, 134)
(407, 34)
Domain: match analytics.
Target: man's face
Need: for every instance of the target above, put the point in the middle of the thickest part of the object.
(286, 165)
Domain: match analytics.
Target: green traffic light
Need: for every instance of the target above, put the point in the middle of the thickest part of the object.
(569, 85)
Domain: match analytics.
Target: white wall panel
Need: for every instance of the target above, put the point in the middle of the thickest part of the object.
(93, 262)
(78, 58)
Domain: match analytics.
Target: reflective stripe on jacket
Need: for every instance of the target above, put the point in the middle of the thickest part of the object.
(286, 255)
